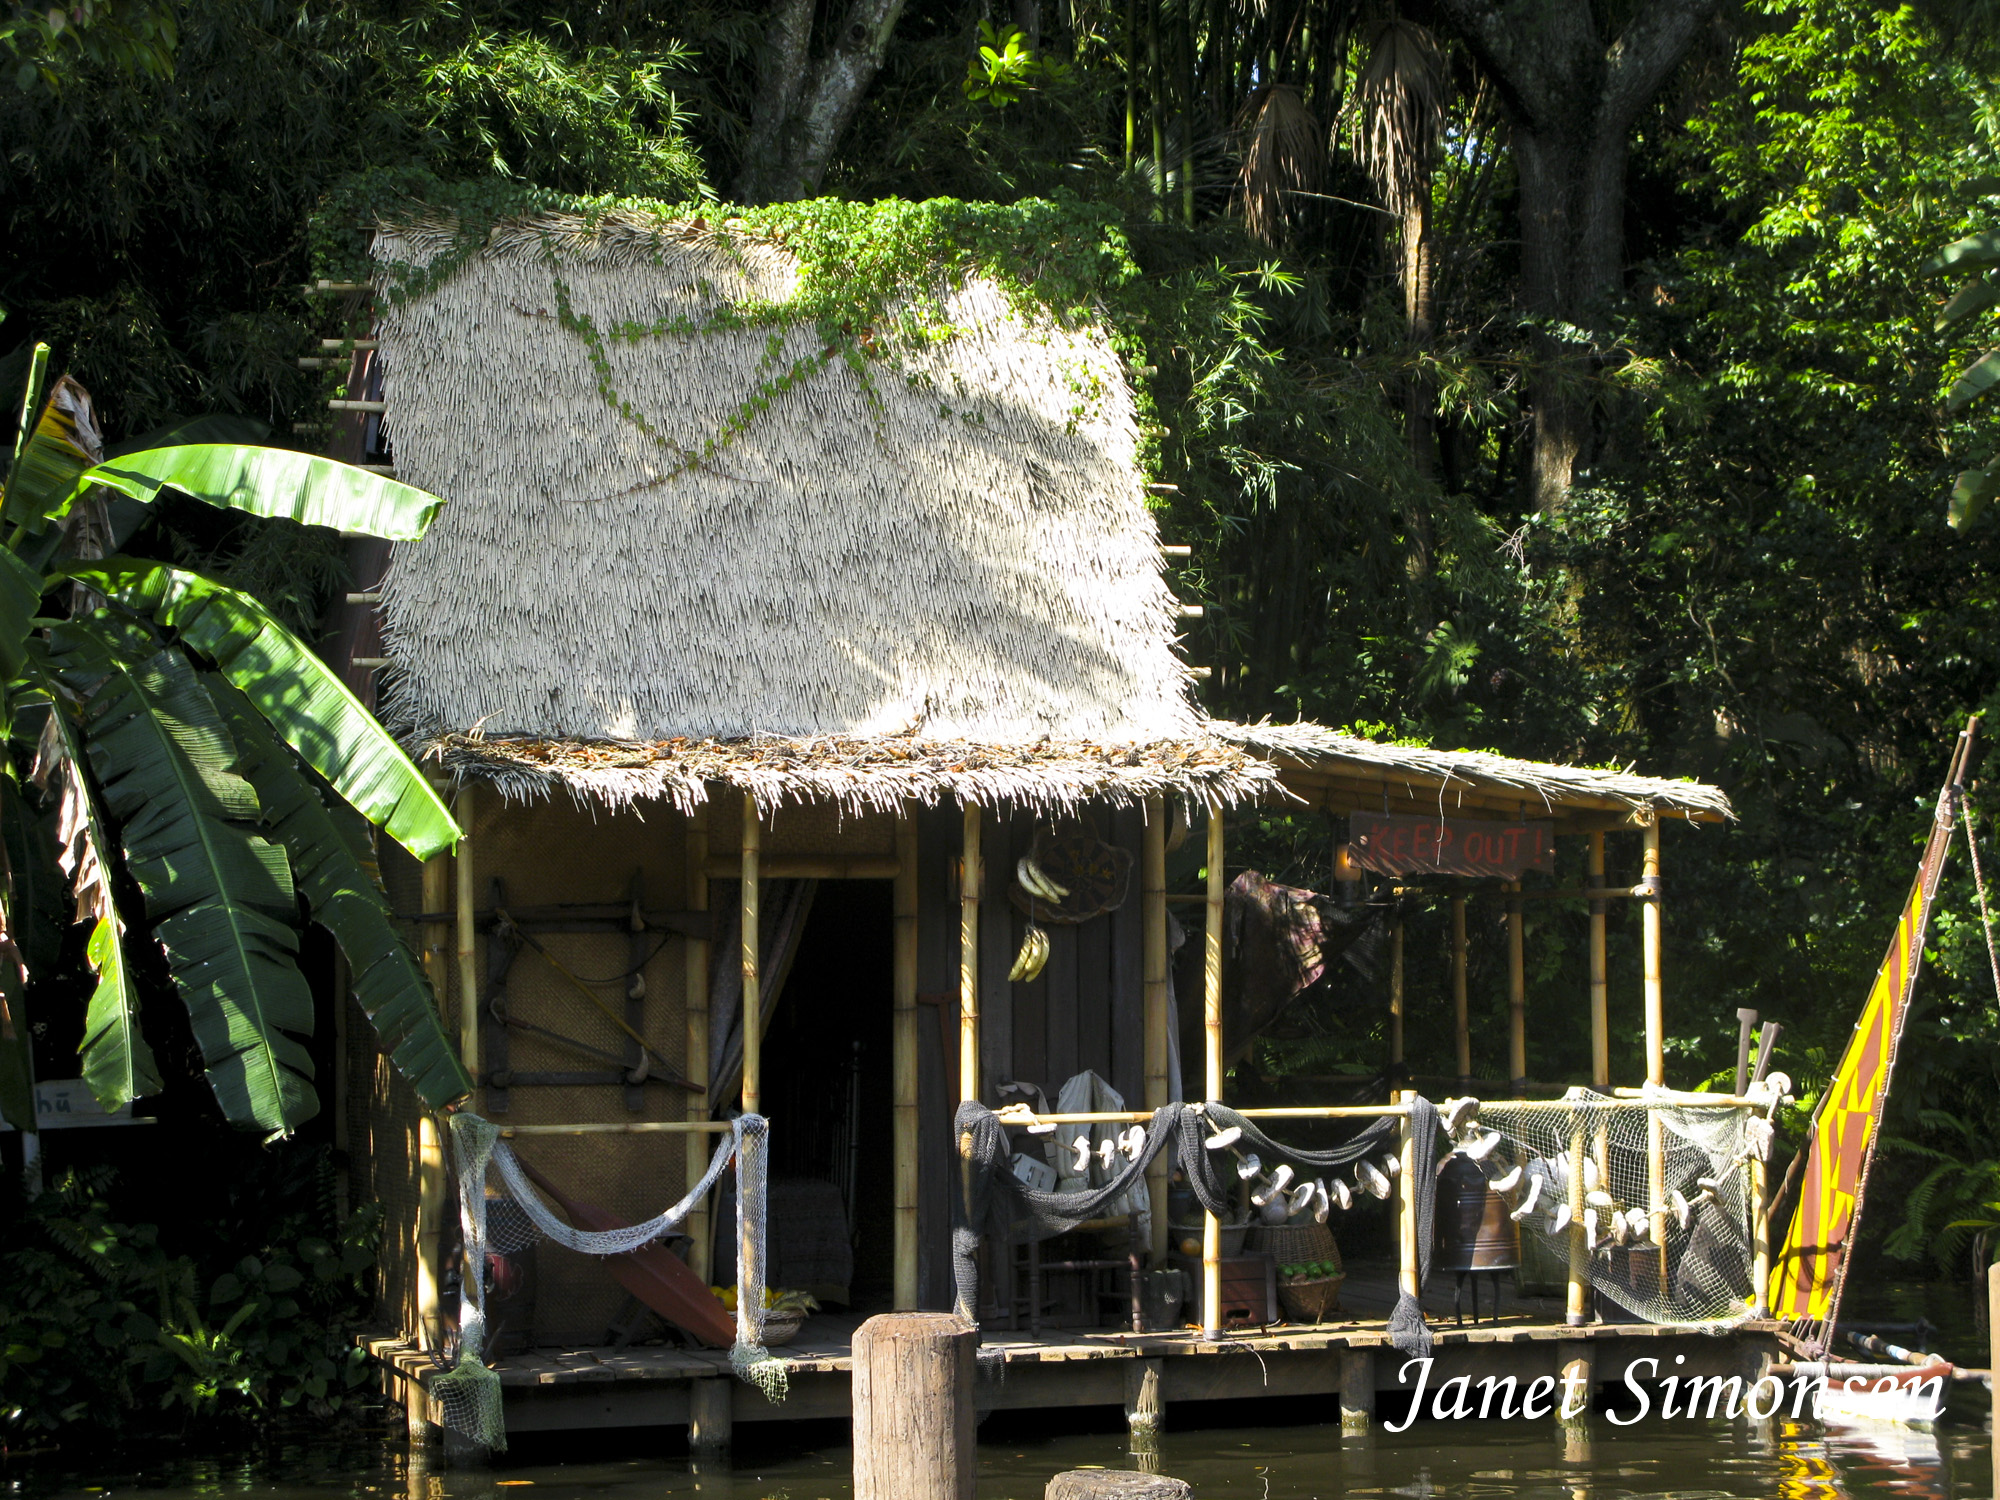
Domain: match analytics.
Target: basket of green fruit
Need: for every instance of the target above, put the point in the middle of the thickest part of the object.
(1309, 1291)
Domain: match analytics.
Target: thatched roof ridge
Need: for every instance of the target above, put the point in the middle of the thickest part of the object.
(1425, 772)
(958, 547)
(861, 774)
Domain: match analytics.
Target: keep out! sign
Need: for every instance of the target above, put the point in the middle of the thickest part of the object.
(1398, 844)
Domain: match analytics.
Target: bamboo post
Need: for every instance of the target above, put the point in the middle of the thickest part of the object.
(463, 873)
(1577, 1292)
(752, 938)
(1211, 1016)
(430, 1228)
(904, 1046)
(1600, 978)
(1396, 998)
(970, 880)
(1517, 996)
(1656, 1043)
(1993, 1359)
(1406, 1200)
(695, 950)
(1760, 1242)
(1460, 1019)
(913, 1408)
(1153, 884)
(1649, 919)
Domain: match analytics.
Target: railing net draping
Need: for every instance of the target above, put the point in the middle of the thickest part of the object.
(1657, 1197)
(468, 1394)
(995, 1204)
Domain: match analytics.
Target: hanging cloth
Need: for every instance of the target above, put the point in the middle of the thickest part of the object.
(781, 919)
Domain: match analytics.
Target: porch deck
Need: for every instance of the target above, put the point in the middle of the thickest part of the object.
(557, 1389)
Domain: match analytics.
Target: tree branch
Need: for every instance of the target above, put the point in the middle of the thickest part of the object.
(781, 76)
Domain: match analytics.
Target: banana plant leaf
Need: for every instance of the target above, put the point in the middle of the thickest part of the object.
(20, 597)
(117, 1063)
(63, 446)
(38, 902)
(334, 867)
(219, 896)
(273, 482)
(309, 707)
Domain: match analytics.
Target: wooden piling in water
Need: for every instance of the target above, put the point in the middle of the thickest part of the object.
(912, 1403)
(1115, 1484)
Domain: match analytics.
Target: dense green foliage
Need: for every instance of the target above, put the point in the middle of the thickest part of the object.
(1752, 579)
(104, 1328)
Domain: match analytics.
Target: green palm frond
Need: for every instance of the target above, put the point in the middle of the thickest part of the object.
(273, 482)
(218, 895)
(333, 865)
(309, 707)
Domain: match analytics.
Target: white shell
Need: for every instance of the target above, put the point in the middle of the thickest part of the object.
(1481, 1146)
(1591, 1176)
(1457, 1112)
(1621, 1232)
(1223, 1139)
(1392, 1166)
(1507, 1181)
(1528, 1199)
(1282, 1178)
(1679, 1204)
(1082, 1148)
(1248, 1166)
(1598, 1199)
(1338, 1191)
(1371, 1179)
(1559, 1218)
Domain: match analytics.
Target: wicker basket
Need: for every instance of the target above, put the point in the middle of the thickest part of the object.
(1297, 1244)
(782, 1327)
(1304, 1299)
(1311, 1301)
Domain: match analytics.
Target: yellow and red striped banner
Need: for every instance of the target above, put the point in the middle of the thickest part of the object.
(1805, 1280)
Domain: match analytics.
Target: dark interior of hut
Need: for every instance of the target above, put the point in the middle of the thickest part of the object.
(829, 1091)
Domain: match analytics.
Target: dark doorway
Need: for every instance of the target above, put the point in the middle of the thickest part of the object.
(828, 1090)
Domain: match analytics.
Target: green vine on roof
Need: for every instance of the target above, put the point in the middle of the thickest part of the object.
(871, 281)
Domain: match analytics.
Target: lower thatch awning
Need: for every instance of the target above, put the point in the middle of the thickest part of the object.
(1303, 765)
(860, 773)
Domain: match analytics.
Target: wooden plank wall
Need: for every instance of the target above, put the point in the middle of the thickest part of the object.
(1085, 1011)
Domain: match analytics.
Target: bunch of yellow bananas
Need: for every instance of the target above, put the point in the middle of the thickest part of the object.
(1033, 955)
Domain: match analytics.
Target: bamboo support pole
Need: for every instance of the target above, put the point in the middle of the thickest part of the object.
(904, 1047)
(695, 952)
(1396, 997)
(811, 867)
(1656, 1044)
(1576, 1293)
(1760, 1242)
(1649, 920)
(1517, 995)
(971, 878)
(1461, 1020)
(632, 1127)
(752, 939)
(1153, 886)
(430, 1228)
(1211, 1016)
(1600, 978)
(1406, 1200)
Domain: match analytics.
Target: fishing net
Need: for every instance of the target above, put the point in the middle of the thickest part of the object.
(994, 1204)
(1655, 1197)
(468, 1393)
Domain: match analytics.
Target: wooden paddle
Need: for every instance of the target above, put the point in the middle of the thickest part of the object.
(652, 1273)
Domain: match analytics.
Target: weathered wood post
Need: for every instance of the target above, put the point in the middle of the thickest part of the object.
(710, 1419)
(912, 1401)
(1357, 1391)
(1145, 1404)
(1115, 1484)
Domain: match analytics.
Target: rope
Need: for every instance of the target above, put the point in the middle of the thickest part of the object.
(1979, 884)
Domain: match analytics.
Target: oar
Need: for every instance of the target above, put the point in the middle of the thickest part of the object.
(652, 1273)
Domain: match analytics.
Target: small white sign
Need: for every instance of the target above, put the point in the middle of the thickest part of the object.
(68, 1104)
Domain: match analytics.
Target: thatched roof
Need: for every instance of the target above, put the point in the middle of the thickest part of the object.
(1357, 773)
(937, 581)
(964, 554)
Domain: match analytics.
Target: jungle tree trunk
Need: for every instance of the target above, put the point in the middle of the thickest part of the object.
(805, 103)
(1572, 98)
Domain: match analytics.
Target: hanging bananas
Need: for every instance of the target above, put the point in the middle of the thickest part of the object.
(1034, 954)
(1035, 881)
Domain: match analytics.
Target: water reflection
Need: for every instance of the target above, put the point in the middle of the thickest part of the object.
(1586, 1460)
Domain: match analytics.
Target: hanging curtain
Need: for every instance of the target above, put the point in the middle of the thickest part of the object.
(781, 918)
